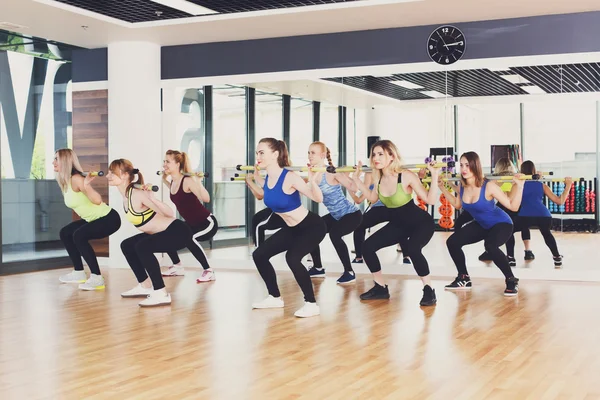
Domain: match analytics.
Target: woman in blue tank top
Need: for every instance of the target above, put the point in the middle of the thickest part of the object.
(491, 224)
(302, 232)
(343, 218)
(533, 212)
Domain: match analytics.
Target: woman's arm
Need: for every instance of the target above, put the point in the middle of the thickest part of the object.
(513, 203)
(310, 189)
(197, 188)
(454, 200)
(148, 199)
(256, 190)
(78, 183)
(344, 180)
(563, 197)
(414, 182)
(371, 195)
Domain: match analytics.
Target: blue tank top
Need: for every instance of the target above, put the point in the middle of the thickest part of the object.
(484, 211)
(276, 199)
(532, 204)
(379, 203)
(333, 198)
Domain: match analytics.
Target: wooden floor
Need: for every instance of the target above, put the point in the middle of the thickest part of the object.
(57, 342)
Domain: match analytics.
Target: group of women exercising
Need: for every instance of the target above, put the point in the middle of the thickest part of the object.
(490, 215)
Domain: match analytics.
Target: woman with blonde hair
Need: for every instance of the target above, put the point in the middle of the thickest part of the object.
(97, 221)
(188, 196)
(407, 223)
(161, 232)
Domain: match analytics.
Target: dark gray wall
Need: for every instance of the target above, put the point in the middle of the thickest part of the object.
(90, 65)
(554, 34)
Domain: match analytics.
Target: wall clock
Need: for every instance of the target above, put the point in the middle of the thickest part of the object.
(446, 45)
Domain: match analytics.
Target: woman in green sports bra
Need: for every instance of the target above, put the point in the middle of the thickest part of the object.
(97, 221)
(407, 223)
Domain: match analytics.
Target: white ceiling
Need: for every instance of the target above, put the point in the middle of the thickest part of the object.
(55, 23)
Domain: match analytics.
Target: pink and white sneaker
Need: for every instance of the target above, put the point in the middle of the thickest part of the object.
(207, 276)
(173, 270)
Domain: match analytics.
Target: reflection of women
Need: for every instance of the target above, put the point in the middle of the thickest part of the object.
(533, 212)
(97, 221)
(188, 196)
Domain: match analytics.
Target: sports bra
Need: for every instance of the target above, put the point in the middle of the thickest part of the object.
(485, 211)
(396, 200)
(276, 199)
(137, 219)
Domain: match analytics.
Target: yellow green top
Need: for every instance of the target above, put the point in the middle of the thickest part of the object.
(398, 199)
(79, 202)
(506, 187)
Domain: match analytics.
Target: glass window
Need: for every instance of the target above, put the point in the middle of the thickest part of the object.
(268, 122)
(329, 130)
(34, 121)
(301, 130)
(229, 150)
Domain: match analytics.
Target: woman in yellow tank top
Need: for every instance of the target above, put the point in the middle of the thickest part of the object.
(160, 233)
(97, 221)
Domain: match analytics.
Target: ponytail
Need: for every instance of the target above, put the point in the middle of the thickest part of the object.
(329, 157)
(283, 159)
(324, 149)
(181, 158)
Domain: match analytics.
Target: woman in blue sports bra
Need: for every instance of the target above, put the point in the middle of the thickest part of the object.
(343, 218)
(302, 232)
(491, 224)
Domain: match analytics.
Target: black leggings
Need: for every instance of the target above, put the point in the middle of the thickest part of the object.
(262, 221)
(298, 241)
(408, 225)
(337, 229)
(77, 235)
(493, 238)
(367, 222)
(139, 250)
(543, 223)
(201, 233)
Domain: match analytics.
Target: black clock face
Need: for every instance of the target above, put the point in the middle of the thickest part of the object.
(446, 45)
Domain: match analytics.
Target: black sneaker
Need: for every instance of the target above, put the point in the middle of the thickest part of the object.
(428, 296)
(406, 260)
(462, 282)
(529, 255)
(511, 261)
(512, 286)
(357, 261)
(377, 292)
(485, 256)
(315, 272)
(558, 261)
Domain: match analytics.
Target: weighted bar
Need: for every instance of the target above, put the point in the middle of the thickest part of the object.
(146, 187)
(417, 167)
(93, 173)
(546, 180)
(198, 174)
(240, 167)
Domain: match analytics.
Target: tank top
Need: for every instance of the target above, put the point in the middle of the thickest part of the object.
(137, 219)
(189, 207)
(276, 199)
(334, 200)
(485, 211)
(398, 199)
(79, 202)
(532, 201)
(378, 203)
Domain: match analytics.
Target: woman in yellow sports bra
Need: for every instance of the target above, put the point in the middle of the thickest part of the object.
(97, 221)
(407, 223)
(161, 233)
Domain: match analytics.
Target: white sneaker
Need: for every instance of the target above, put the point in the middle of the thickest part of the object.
(158, 297)
(269, 302)
(174, 270)
(138, 291)
(74, 277)
(308, 310)
(207, 276)
(96, 282)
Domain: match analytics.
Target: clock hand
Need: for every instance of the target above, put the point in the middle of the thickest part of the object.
(453, 44)
(445, 45)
